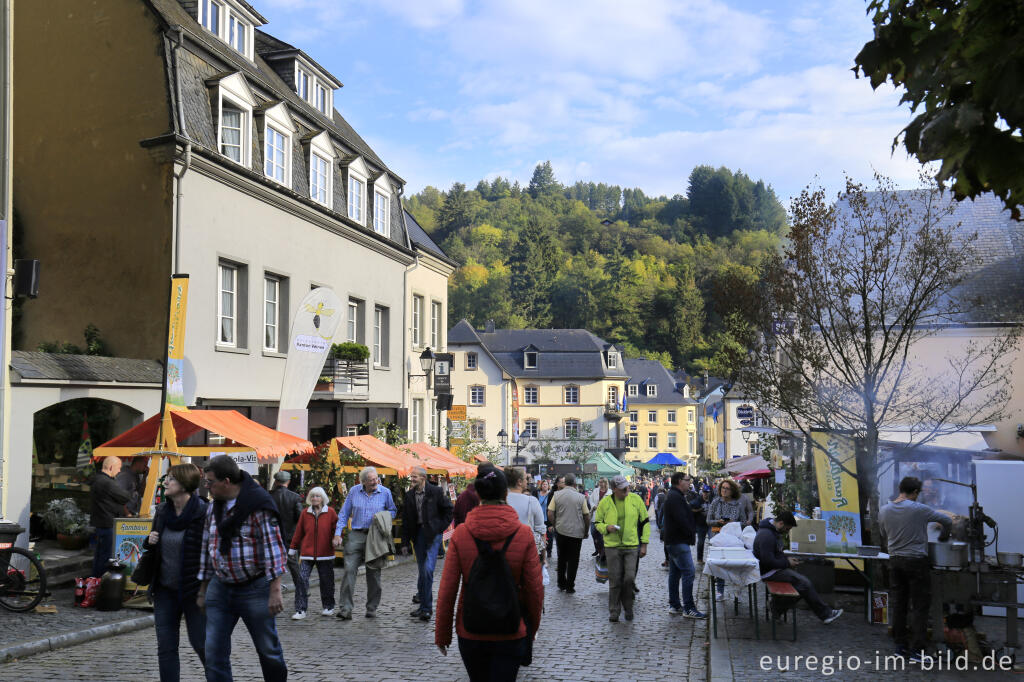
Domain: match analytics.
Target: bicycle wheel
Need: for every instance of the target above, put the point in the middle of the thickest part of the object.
(22, 582)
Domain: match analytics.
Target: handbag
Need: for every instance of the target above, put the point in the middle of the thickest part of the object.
(145, 568)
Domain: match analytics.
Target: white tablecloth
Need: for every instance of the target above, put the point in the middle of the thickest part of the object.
(735, 566)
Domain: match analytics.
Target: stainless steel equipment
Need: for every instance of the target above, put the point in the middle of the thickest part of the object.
(1009, 559)
(948, 554)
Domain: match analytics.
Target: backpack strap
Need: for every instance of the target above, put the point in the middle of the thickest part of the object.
(486, 548)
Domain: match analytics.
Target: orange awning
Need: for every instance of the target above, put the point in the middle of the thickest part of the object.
(374, 451)
(431, 455)
(268, 443)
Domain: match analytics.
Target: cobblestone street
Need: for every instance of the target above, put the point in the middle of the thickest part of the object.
(576, 641)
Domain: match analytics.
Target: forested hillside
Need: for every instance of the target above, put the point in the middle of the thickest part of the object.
(666, 277)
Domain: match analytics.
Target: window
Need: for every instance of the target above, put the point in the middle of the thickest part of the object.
(354, 331)
(652, 390)
(632, 391)
(572, 395)
(436, 320)
(530, 360)
(417, 320)
(271, 298)
(671, 416)
(227, 316)
(319, 179)
(237, 30)
(416, 419)
(531, 395)
(323, 99)
(689, 415)
(352, 430)
(671, 441)
(652, 441)
(381, 211)
(226, 20)
(355, 199)
(613, 359)
(232, 131)
(652, 416)
(210, 13)
(630, 440)
(471, 361)
(302, 80)
(275, 154)
(380, 336)
(613, 395)
(476, 395)
(691, 444)
(478, 429)
(572, 428)
(633, 416)
(531, 427)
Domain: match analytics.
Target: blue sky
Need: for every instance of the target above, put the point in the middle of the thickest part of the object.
(630, 93)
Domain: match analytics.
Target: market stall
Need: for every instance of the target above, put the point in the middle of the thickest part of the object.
(432, 456)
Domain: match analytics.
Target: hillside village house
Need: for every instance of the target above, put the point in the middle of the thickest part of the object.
(661, 415)
(183, 138)
(563, 388)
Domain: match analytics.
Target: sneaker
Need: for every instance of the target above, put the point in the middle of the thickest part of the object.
(329, 612)
(424, 616)
(371, 614)
(416, 613)
(694, 613)
(832, 616)
(570, 590)
(636, 590)
(415, 599)
(675, 610)
(613, 619)
(299, 615)
(916, 658)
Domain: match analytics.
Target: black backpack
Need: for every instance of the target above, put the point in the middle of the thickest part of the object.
(490, 605)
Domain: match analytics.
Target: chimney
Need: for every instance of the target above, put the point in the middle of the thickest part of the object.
(686, 390)
(489, 327)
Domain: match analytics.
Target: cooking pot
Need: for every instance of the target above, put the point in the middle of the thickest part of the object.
(948, 554)
(1009, 559)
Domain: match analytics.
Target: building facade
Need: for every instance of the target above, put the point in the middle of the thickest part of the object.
(661, 415)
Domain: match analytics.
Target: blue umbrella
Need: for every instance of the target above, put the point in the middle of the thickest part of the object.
(665, 459)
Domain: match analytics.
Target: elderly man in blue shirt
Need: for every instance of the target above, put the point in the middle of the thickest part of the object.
(364, 501)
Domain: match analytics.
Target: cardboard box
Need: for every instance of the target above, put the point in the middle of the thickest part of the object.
(880, 608)
(808, 536)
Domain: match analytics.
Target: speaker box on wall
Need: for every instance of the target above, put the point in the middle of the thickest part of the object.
(26, 278)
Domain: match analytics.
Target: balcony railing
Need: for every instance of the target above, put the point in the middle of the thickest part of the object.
(350, 379)
(613, 411)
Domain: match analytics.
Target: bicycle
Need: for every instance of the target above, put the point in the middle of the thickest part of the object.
(22, 580)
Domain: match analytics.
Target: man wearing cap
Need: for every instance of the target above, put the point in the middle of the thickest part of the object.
(289, 505)
(623, 520)
(569, 513)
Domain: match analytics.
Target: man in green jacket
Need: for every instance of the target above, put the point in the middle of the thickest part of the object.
(623, 521)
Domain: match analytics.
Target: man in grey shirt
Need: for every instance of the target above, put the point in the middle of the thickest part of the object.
(569, 513)
(526, 506)
(904, 525)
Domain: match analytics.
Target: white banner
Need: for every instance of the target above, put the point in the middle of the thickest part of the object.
(310, 340)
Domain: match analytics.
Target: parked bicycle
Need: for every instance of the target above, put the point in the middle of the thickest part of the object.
(22, 580)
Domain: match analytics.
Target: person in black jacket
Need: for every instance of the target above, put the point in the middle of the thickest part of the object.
(289, 506)
(679, 533)
(776, 566)
(426, 512)
(108, 501)
(700, 499)
(177, 536)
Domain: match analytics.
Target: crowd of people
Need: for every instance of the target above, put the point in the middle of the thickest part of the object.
(222, 561)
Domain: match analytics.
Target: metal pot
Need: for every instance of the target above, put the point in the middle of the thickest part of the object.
(948, 554)
(1009, 559)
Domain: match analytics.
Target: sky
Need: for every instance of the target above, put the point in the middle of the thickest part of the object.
(629, 93)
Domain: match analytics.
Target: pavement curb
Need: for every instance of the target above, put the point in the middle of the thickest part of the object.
(7, 654)
(719, 656)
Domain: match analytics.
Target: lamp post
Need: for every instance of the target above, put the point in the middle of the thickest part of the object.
(427, 364)
(503, 438)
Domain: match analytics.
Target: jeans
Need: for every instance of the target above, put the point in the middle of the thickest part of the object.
(104, 551)
(803, 585)
(355, 550)
(910, 578)
(325, 569)
(225, 604)
(426, 558)
(622, 563)
(568, 560)
(680, 567)
(492, 661)
(168, 608)
(702, 536)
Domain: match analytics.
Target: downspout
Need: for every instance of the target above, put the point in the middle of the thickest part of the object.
(178, 192)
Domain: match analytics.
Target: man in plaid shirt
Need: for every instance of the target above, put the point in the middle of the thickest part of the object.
(240, 567)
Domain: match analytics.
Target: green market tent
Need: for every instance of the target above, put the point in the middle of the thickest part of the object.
(607, 466)
(646, 466)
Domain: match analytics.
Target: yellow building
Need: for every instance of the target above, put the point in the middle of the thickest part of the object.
(661, 416)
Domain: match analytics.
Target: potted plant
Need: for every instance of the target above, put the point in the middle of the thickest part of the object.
(352, 352)
(70, 523)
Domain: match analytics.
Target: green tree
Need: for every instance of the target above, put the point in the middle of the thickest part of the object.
(960, 65)
(533, 264)
(543, 182)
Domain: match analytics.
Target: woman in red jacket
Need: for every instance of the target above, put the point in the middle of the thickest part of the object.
(312, 542)
(490, 657)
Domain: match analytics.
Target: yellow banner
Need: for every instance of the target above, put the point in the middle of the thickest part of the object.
(837, 490)
(174, 379)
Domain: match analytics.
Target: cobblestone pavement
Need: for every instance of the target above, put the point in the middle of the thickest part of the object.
(850, 637)
(576, 641)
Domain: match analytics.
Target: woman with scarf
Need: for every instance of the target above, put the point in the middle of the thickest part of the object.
(312, 542)
(178, 537)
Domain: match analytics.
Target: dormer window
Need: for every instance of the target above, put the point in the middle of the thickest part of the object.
(356, 198)
(530, 360)
(315, 87)
(277, 144)
(238, 33)
(613, 359)
(211, 14)
(302, 83)
(652, 390)
(232, 131)
(233, 104)
(321, 169)
(632, 390)
(229, 22)
(275, 154)
(323, 100)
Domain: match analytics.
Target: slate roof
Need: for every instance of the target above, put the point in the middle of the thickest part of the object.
(561, 353)
(65, 367)
(646, 372)
(419, 237)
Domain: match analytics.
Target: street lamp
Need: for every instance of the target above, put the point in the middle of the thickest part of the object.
(427, 364)
(503, 439)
